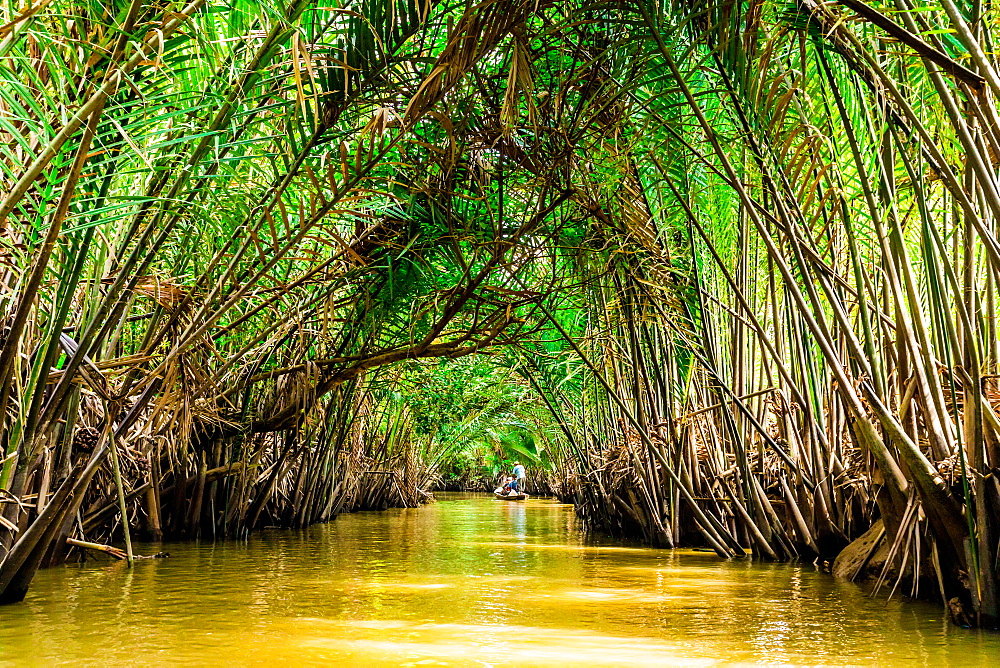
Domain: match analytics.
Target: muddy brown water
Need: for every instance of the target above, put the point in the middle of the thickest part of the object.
(466, 581)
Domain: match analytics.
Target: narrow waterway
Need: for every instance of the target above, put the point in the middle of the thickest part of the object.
(466, 581)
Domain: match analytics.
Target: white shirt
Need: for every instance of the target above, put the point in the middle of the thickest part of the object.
(519, 471)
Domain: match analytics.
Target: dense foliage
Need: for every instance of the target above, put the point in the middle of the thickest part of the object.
(726, 271)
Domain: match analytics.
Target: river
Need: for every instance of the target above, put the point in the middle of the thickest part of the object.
(466, 581)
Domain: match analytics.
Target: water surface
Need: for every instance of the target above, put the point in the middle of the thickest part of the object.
(466, 581)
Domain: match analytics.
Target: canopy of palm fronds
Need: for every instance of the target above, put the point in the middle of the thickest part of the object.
(740, 260)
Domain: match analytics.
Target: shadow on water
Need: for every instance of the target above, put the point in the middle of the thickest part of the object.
(467, 581)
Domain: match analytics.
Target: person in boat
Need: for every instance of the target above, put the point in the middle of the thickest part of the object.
(505, 487)
(518, 484)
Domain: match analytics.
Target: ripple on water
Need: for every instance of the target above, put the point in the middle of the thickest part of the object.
(469, 582)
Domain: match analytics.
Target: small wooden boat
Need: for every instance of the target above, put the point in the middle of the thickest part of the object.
(510, 497)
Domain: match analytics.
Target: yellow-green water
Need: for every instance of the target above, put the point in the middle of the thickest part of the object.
(466, 581)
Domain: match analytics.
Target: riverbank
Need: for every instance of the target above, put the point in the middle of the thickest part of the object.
(466, 581)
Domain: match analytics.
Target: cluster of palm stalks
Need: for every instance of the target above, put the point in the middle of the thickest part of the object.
(747, 254)
(666, 451)
(793, 340)
(219, 224)
(340, 460)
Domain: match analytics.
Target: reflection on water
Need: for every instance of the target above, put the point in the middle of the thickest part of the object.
(468, 581)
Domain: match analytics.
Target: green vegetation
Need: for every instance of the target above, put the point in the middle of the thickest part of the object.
(722, 272)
